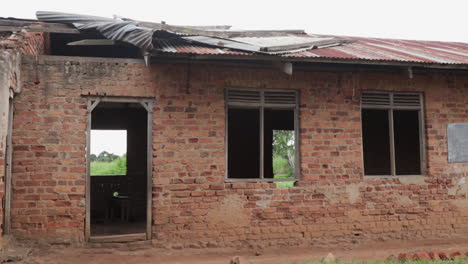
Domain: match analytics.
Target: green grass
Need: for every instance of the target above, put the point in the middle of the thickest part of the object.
(280, 165)
(284, 184)
(282, 170)
(116, 167)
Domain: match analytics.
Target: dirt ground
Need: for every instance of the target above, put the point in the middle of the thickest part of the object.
(146, 254)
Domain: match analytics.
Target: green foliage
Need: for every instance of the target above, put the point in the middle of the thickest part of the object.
(283, 150)
(284, 184)
(118, 166)
(281, 166)
(283, 157)
(104, 157)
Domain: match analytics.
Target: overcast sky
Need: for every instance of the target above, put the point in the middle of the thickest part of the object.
(407, 19)
(112, 141)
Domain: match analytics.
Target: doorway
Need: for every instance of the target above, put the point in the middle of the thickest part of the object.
(119, 178)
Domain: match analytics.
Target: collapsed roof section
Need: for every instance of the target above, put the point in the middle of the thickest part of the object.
(80, 35)
(152, 37)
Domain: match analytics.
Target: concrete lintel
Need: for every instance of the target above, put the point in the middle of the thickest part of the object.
(46, 58)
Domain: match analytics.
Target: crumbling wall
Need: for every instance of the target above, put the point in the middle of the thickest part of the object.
(192, 205)
(9, 85)
(27, 43)
(12, 46)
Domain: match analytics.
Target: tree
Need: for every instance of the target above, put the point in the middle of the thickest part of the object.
(106, 157)
(283, 145)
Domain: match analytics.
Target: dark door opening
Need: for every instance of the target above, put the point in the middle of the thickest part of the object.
(118, 169)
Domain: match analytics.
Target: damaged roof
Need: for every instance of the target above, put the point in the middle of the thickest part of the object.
(287, 45)
(151, 37)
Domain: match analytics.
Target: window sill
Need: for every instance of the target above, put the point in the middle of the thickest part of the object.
(380, 177)
(106, 175)
(231, 180)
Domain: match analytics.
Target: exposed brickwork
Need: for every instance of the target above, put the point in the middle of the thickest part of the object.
(28, 43)
(50, 138)
(193, 207)
(11, 48)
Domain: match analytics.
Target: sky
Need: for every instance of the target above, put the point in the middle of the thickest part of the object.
(403, 19)
(112, 141)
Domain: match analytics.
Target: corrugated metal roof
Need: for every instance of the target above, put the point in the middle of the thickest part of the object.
(281, 40)
(143, 34)
(114, 29)
(155, 37)
(374, 49)
(396, 50)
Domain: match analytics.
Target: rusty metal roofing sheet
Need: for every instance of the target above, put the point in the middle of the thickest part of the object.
(287, 45)
(126, 31)
(374, 49)
(143, 34)
(397, 50)
(281, 40)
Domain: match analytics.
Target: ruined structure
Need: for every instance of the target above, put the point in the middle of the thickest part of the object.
(379, 134)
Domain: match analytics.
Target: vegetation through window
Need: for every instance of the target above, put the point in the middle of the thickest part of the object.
(262, 135)
(108, 152)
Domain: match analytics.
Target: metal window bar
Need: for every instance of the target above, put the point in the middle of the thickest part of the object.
(392, 142)
(262, 135)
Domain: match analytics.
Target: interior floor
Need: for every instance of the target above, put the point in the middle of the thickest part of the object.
(117, 227)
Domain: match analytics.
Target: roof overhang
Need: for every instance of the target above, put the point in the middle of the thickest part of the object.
(315, 60)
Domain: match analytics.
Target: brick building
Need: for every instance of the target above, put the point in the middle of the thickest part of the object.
(378, 129)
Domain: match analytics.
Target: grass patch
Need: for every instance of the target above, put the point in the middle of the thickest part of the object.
(282, 170)
(281, 166)
(115, 167)
(284, 184)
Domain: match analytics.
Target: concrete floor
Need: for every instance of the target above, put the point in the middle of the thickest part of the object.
(117, 227)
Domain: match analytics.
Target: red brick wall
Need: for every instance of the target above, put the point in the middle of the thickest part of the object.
(192, 206)
(28, 43)
(11, 48)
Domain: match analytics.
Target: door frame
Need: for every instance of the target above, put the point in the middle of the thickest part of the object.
(8, 166)
(147, 104)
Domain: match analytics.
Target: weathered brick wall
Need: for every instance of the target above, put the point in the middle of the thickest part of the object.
(192, 206)
(49, 140)
(11, 48)
(27, 43)
(333, 202)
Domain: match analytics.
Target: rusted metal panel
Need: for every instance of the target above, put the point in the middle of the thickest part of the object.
(160, 38)
(428, 52)
(126, 31)
(396, 50)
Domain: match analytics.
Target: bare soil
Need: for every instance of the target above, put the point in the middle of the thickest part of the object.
(146, 254)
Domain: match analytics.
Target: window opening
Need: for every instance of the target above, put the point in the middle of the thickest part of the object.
(392, 134)
(262, 135)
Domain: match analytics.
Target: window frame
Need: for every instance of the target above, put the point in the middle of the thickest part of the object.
(261, 106)
(390, 109)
